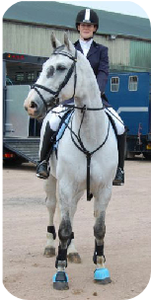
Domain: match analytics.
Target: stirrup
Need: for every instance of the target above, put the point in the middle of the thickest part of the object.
(119, 179)
(43, 170)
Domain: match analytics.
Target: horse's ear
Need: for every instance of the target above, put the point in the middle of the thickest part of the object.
(68, 43)
(55, 43)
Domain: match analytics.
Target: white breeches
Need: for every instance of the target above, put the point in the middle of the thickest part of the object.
(54, 120)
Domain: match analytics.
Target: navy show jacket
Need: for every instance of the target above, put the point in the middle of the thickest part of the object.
(98, 58)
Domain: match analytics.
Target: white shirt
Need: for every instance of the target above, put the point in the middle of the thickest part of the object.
(85, 45)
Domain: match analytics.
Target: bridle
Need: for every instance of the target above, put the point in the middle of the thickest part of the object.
(55, 100)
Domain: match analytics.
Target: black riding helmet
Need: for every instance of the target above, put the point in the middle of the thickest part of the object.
(87, 16)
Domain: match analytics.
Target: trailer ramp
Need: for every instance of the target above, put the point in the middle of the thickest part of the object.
(26, 148)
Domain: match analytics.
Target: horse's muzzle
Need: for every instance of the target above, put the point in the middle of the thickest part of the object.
(32, 109)
(33, 105)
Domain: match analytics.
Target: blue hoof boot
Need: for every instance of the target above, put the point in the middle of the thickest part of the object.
(60, 281)
(102, 276)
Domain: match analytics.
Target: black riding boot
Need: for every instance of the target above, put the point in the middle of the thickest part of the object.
(119, 179)
(46, 150)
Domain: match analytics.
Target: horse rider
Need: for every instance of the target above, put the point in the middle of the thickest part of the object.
(87, 23)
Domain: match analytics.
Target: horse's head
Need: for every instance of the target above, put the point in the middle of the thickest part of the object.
(57, 80)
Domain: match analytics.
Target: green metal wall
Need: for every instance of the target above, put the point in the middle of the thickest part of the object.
(140, 55)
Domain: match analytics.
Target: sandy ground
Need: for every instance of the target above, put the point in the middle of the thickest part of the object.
(28, 274)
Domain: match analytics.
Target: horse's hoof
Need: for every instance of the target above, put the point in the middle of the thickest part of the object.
(60, 281)
(74, 258)
(102, 276)
(49, 252)
(60, 286)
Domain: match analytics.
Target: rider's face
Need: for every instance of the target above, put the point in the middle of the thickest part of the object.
(86, 30)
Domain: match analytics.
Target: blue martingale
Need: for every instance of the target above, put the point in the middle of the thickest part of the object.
(62, 130)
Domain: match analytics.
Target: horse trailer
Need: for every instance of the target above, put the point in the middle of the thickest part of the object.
(129, 93)
(20, 132)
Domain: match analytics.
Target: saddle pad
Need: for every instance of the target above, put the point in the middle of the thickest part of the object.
(62, 128)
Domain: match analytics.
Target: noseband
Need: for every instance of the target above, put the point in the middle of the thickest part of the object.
(55, 101)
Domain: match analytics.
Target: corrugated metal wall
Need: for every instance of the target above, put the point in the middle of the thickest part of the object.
(124, 54)
(32, 40)
(140, 55)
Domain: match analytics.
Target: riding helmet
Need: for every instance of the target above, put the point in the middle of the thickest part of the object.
(87, 16)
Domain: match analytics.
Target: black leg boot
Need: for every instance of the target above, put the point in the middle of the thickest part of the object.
(46, 150)
(119, 179)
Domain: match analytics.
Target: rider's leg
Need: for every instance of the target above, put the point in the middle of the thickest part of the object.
(119, 178)
(121, 140)
(48, 133)
(45, 151)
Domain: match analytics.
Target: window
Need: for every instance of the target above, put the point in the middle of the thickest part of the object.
(19, 76)
(133, 83)
(114, 84)
(30, 76)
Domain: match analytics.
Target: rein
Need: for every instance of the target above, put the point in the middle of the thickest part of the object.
(83, 108)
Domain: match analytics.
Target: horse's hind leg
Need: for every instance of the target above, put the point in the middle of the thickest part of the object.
(50, 189)
(101, 274)
(72, 253)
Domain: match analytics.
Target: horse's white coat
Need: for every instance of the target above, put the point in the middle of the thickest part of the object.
(70, 168)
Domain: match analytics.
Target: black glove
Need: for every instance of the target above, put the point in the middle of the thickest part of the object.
(103, 96)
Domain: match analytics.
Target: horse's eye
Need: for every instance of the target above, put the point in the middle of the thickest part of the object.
(50, 72)
(61, 68)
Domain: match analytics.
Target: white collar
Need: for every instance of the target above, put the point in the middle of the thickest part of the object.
(85, 45)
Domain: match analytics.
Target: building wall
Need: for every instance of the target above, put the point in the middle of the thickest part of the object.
(118, 50)
(26, 39)
(140, 55)
(124, 54)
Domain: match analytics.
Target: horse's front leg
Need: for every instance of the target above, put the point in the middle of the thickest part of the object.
(68, 205)
(60, 279)
(101, 274)
(50, 189)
